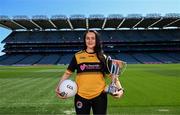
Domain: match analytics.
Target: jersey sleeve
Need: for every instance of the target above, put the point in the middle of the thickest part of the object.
(73, 64)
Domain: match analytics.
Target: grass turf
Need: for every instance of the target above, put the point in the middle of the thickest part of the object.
(149, 89)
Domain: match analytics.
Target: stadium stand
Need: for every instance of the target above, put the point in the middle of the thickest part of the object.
(12, 59)
(163, 57)
(145, 58)
(65, 58)
(127, 57)
(49, 59)
(135, 39)
(31, 59)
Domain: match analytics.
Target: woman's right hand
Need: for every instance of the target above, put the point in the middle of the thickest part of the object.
(59, 94)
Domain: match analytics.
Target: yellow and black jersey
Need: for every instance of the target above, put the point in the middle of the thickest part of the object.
(90, 77)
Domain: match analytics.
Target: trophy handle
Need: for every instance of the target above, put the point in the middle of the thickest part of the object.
(115, 67)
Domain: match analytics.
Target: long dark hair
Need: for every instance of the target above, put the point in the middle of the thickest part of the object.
(98, 47)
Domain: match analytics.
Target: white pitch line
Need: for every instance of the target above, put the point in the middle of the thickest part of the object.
(69, 112)
(163, 110)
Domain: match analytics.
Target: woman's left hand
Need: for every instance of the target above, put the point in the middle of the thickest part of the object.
(118, 94)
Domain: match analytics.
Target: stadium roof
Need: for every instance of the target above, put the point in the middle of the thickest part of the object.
(96, 21)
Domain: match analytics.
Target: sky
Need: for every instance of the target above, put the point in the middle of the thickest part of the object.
(86, 7)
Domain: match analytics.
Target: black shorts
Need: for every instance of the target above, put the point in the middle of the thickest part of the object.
(98, 104)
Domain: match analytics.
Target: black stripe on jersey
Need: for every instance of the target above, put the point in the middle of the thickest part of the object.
(89, 67)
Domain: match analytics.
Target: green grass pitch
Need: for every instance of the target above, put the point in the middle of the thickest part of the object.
(152, 89)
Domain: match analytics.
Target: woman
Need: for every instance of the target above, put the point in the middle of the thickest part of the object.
(91, 68)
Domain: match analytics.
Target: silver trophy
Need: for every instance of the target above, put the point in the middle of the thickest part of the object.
(116, 68)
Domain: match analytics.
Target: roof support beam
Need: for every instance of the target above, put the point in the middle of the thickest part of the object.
(5, 26)
(121, 23)
(52, 24)
(155, 23)
(104, 23)
(69, 22)
(172, 22)
(138, 23)
(87, 23)
(18, 24)
(36, 24)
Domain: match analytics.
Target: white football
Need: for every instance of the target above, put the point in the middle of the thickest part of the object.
(68, 88)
